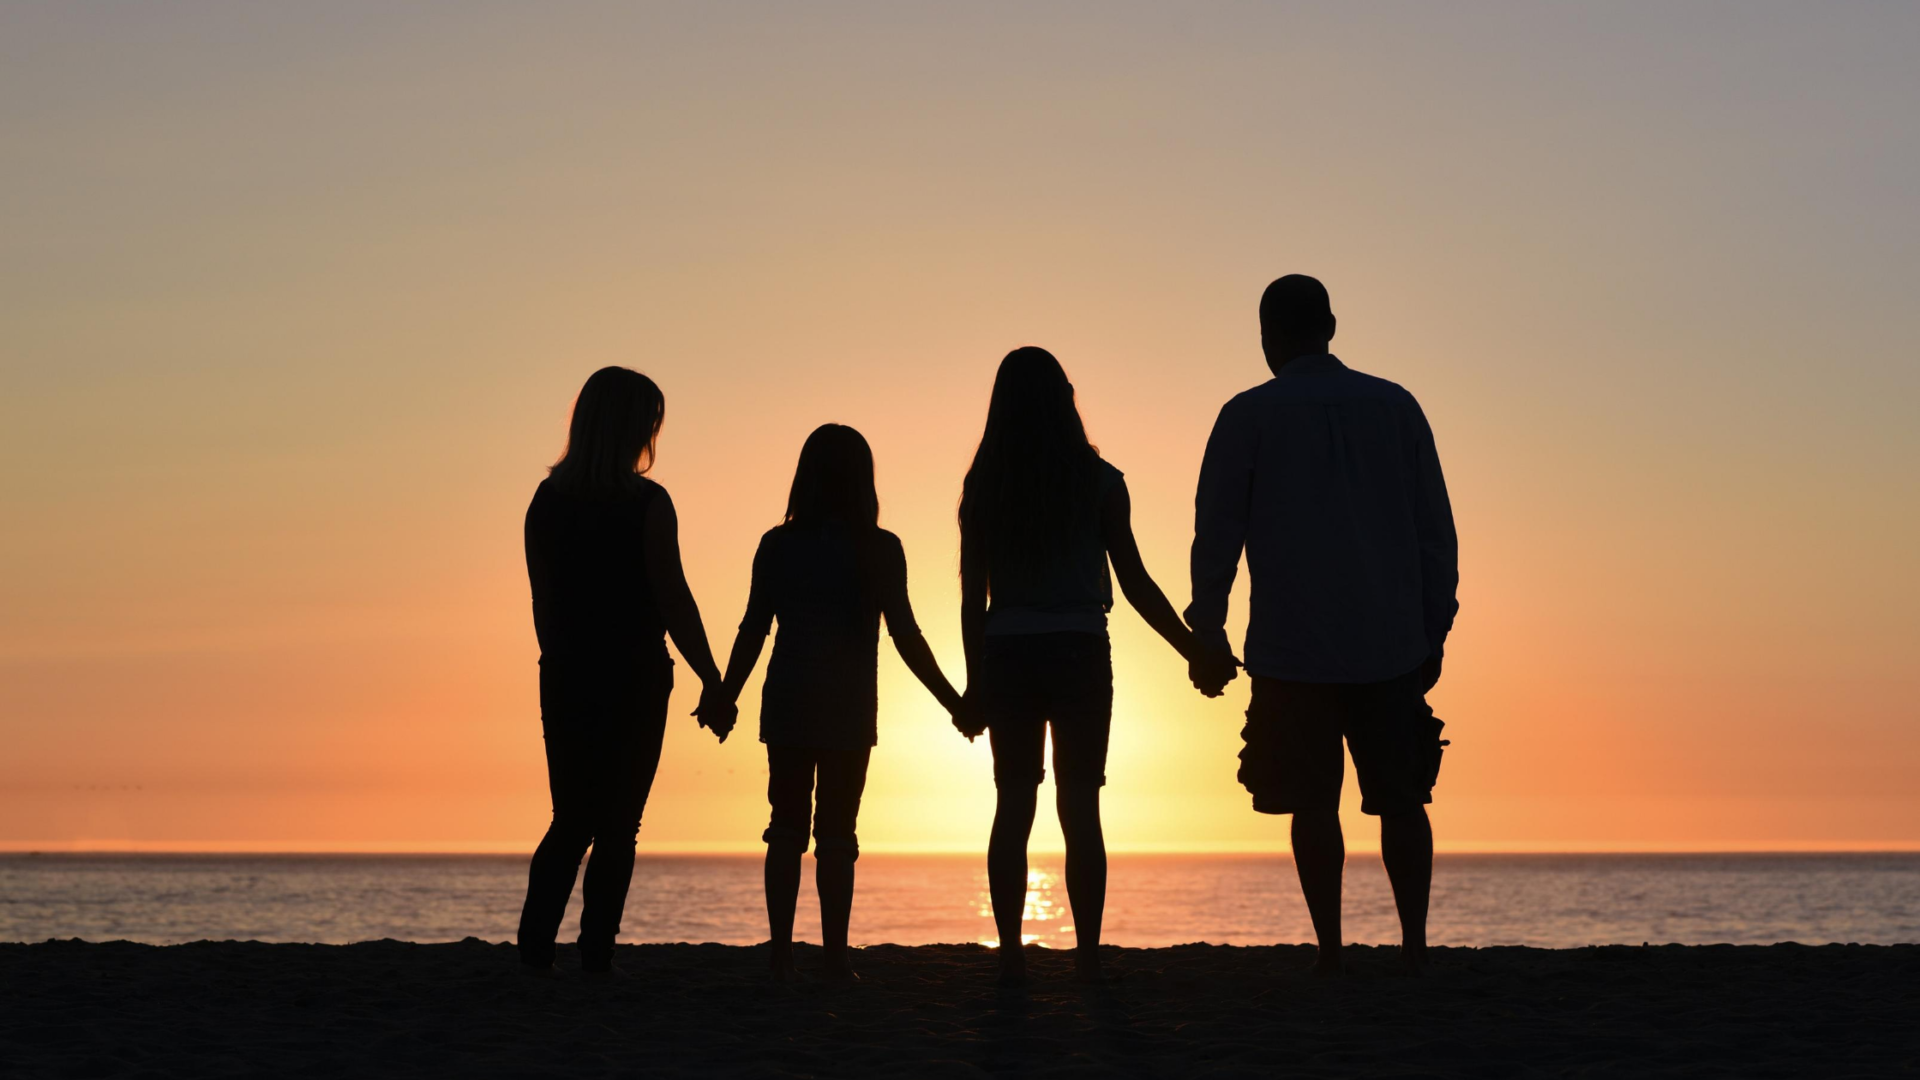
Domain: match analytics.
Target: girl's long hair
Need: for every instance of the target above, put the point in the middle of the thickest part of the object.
(1032, 481)
(834, 480)
(615, 427)
(833, 485)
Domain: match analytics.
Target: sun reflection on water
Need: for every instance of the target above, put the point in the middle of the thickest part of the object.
(1043, 915)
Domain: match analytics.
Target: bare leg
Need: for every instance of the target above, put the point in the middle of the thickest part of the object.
(833, 879)
(1319, 854)
(783, 893)
(1086, 873)
(1007, 874)
(1406, 847)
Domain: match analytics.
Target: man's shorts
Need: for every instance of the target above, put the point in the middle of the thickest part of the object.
(1033, 681)
(1292, 760)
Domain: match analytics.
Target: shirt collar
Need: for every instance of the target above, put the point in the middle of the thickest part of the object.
(1321, 364)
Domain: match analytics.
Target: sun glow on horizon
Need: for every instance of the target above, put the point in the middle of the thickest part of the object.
(271, 410)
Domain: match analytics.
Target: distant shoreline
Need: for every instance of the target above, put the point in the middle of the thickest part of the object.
(1549, 900)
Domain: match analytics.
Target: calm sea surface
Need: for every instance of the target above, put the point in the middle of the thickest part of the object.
(1153, 900)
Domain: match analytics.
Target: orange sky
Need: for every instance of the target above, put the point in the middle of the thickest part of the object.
(293, 305)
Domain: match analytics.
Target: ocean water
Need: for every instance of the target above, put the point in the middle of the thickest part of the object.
(1153, 900)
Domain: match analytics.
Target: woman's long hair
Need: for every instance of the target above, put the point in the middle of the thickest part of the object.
(1031, 484)
(833, 485)
(616, 424)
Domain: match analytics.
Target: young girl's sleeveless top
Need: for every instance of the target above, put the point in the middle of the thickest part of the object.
(828, 595)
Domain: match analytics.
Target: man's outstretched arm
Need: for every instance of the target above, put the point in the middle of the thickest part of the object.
(1222, 505)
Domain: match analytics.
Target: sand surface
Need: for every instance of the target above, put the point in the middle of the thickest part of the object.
(392, 1008)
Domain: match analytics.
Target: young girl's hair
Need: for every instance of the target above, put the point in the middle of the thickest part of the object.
(616, 423)
(833, 485)
(834, 480)
(1032, 479)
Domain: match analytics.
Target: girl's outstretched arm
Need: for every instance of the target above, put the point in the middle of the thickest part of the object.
(919, 659)
(1116, 527)
(747, 643)
(754, 625)
(905, 630)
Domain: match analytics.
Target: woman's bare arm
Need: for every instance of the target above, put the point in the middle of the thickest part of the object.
(1116, 527)
(973, 631)
(668, 580)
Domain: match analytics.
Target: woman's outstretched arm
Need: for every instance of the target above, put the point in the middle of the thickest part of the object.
(1116, 527)
(668, 580)
(973, 631)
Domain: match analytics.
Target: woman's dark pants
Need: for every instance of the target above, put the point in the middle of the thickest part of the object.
(604, 724)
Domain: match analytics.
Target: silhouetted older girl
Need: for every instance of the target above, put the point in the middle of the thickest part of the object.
(603, 557)
(1040, 516)
(827, 573)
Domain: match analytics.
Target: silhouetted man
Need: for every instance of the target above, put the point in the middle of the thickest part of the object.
(1329, 481)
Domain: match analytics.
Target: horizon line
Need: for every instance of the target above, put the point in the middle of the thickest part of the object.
(123, 846)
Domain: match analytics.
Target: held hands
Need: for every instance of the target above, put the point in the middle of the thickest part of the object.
(1211, 670)
(967, 717)
(717, 711)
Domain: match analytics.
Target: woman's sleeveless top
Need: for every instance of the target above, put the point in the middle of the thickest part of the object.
(1073, 593)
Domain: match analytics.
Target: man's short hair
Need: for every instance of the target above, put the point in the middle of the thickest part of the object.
(1296, 308)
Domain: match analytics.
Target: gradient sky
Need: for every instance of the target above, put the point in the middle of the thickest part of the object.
(294, 301)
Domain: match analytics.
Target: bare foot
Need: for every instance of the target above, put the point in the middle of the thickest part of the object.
(1413, 961)
(1327, 966)
(603, 974)
(538, 971)
(1087, 969)
(836, 966)
(780, 965)
(1013, 967)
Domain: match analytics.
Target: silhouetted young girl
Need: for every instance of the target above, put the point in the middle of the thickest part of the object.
(827, 574)
(1040, 516)
(603, 560)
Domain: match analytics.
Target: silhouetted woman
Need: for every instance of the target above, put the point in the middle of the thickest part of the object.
(603, 557)
(1040, 516)
(827, 573)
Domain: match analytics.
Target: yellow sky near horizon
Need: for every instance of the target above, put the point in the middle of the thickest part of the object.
(293, 303)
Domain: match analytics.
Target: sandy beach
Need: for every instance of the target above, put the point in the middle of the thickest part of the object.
(75, 1009)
